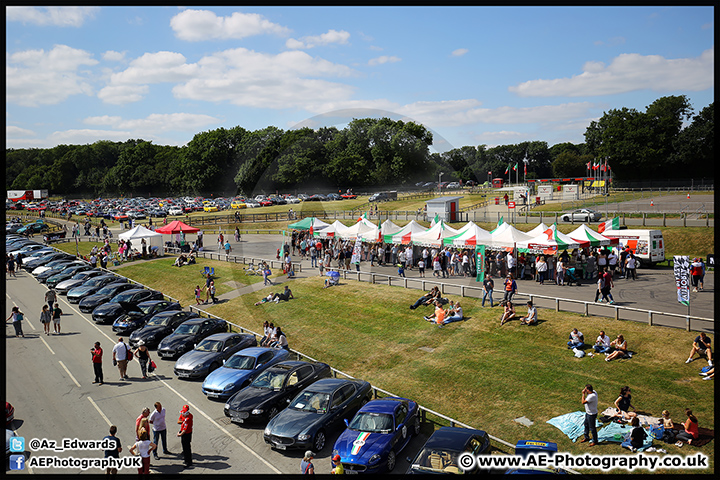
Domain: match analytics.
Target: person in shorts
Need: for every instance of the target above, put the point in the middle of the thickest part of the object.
(701, 346)
(56, 314)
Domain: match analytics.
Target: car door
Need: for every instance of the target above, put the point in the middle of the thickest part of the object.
(232, 345)
(401, 436)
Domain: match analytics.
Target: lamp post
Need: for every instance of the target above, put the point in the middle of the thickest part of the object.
(440, 181)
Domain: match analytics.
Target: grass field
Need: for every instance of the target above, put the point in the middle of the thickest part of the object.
(478, 372)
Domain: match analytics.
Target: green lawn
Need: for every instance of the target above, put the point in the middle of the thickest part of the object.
(479, 373)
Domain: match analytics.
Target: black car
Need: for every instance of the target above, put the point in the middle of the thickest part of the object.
(319, 408)
(59, 268)
(442, 450)
(160, 326)
(31, 265)
(65, 274)
(91, 286)
(104, 295)
(141, 313)
(122, 303)
(272, 390)
(76, 280)
(184, 338)
(210, 353)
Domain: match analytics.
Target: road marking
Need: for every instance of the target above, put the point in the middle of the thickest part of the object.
(221, 428)
(46, 344)
(68, 372)
(107, 420)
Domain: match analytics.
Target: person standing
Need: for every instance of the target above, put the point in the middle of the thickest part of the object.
(10, 264)
(56, 314)
(50, 298)
(120, 357)
(208, 279)
(337, 466)
(212, 291)
(542, 268)
(185, 434)
(228, 248)
(97, 354)
(510, 287)
(589, 400)
(488, 286)
(306, 466)
(608, 278)
(159, 427)
(143, 355)
(113, 452)
(45, 319)
(17, 318)
(143, 446)
(631, 266)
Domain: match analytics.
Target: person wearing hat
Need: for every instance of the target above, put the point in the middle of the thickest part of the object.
(185, 434)
(306, 466)
(337, 465)
(97, 352)
(143, 355)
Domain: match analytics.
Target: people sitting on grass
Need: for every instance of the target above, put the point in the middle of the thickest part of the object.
(709, 375)
(427, 299)
(602, 343)
(453, 314)
(691, 431)
(637, 436)
(180, 261)
(620, 349)
(701, 346)
(286, 295)
(192, 259)
(623, 404)
(508, 312)
(280, 340)
(531, 317)
(269, 337)
(439, 314)
(577, 339)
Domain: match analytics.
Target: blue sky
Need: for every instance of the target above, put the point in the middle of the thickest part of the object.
(473, 75)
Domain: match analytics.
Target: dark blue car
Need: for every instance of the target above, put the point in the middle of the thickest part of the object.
(377, 434)
(442, 451)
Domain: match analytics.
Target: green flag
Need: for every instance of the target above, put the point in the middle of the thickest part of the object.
(480, 263)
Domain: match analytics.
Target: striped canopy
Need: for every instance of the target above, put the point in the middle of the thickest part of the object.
(584, 233)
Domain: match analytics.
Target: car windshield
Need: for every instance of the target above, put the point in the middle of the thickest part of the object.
(123, 297)
(187, 329)
(94, 282)
(240, 362)
(270, 379)
(437, 460)
(147, 308)
(159, 321)
(311, 402)
(372, 422)
(209, 346)
(109, 290)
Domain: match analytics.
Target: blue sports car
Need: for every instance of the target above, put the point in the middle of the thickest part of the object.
(377, 434)
(240, 369)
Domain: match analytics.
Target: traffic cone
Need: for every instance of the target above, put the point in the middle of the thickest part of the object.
(651, 203)
(688, 196)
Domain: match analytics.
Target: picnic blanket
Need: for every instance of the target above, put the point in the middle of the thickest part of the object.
(705, 435)
(571, 424)
(644, 419)
(615, 432)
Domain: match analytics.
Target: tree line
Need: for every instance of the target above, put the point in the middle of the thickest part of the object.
(664, 141)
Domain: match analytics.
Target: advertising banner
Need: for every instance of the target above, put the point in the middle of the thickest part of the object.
(682, 278)
(480, 263)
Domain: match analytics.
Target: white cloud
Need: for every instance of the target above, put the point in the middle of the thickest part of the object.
(122, 94)
(113, 56)
(157, 122)
(37, 77)
(332, 36)
(459, 52)
(199, 25)
(383, 59)
(629, 72)
(12, 131)
(55, 16)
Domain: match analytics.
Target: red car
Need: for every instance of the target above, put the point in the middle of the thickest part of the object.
(266, 203)
(120, 216)
(348, 196)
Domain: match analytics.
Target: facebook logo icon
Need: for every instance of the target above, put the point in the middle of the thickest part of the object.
(17, 462)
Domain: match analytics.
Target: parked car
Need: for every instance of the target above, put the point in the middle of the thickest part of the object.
(65, 274)
(188, 334)
(240, 370)
(377, 434)
(378, 197)
(122, 303)
(136, 317)
(42, 260)
(238, 204)
(62, 288)
(319, 408)
(333, 196)
(453, 185)
(91, 286)
(33, 228)
(272, 390)
(582, 215)
(160, 326)
(252, 203)
(46, 273)
(175, 211)
(104, 295)
(211, 353)
(441, 451)
(348, 196)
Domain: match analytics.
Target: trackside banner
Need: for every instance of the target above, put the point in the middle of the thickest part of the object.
(682, 278)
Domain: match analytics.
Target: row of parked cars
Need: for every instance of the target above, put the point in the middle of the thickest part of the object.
(300, 403)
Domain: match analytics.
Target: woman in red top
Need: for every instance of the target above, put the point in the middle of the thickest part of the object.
(691, 428)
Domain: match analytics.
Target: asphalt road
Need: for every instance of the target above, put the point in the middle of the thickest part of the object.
(49, 382)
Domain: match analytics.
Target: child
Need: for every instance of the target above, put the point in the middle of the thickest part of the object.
(401, 270)
(421, 267)
(198, 292)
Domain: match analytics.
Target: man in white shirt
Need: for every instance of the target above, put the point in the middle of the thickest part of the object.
(602, 343)
(589, 399)
(159, 427)
(120, 354)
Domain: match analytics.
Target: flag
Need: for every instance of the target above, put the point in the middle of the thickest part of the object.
(515, 167)
(588, 166)
(613, 224)
(357, 248)
(681, 269)
(435, 220)
(507, 169)
(480, 263)
(526, 169)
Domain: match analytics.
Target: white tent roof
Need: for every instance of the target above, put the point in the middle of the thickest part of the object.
(507, 236)
(335, 229)
(585, 233)
(139, 232)
(435, 235)
(469, 235)
(389, 228)
(538, 230)
(551, 240)
(405, 234)
(362, 228)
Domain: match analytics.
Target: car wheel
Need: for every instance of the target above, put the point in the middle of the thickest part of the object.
(565, 218)
(391, 461)
(272, 413)
(319, 441)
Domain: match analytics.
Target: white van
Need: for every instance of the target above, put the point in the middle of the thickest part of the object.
(647, 245)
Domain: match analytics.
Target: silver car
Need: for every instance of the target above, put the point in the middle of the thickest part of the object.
(581, 215)
(211, 353)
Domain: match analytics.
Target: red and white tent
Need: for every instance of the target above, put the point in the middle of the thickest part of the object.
(469, 236)
(551, 241)
(405, 234)
(584, 233)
